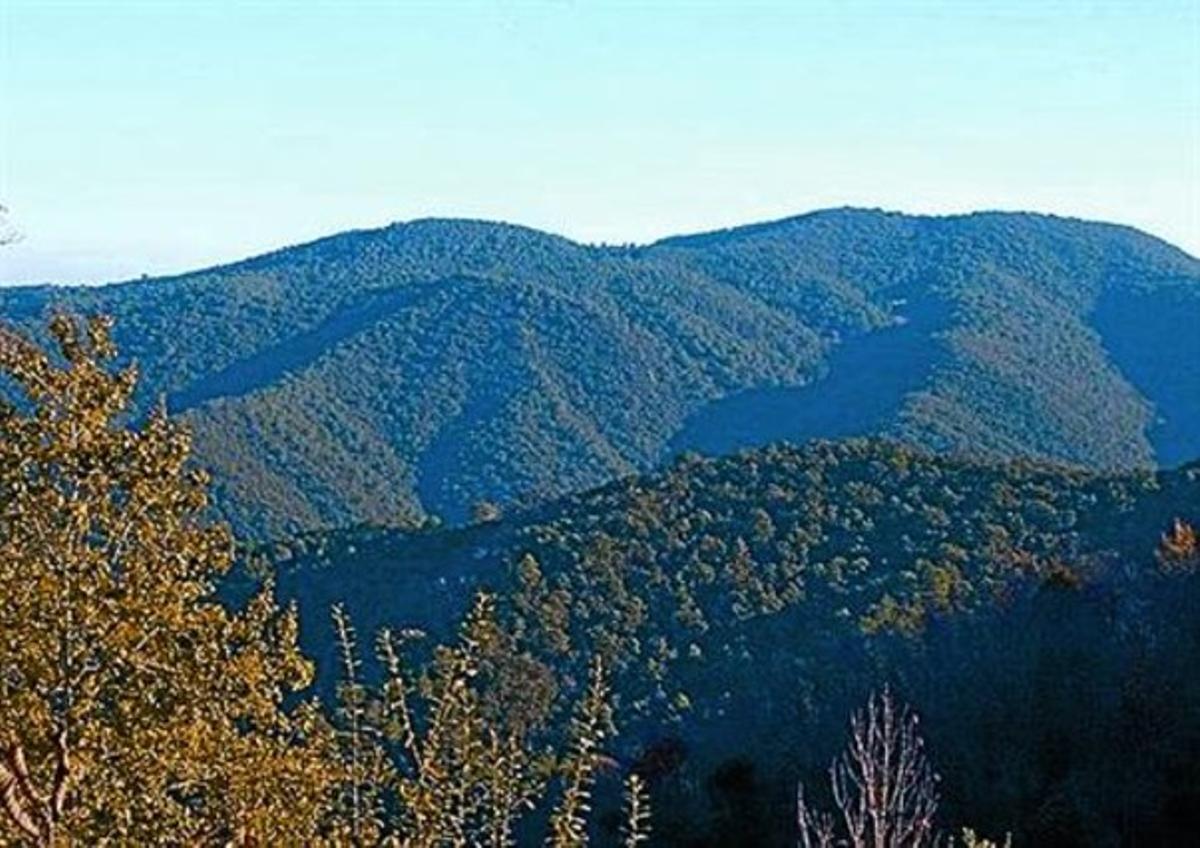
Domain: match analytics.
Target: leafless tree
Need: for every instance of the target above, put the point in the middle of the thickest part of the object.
(816, 828)
(884, 789)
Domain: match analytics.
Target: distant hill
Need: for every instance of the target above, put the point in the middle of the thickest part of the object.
(380, 376)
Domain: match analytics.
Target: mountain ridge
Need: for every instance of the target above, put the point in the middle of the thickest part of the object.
(949, 217)
(386, 374)
(664, 241)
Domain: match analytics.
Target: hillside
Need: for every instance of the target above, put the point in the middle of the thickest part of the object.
(381, 376)
(746, 603)
(876, 533)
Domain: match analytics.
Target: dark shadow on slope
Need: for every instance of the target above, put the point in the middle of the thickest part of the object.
(866, 381)
(295, 352)
(1154, 339)
(445, 461)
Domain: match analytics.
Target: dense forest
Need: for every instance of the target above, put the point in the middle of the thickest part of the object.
(666, 658)
(852, 529)
(406, 374)
(746, 604)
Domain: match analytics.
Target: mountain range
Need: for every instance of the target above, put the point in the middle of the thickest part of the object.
(421, 369)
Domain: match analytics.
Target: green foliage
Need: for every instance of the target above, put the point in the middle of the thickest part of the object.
(662, 570)
(738, 602)
(385, 376)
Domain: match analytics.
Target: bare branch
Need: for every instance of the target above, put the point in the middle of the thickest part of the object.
(883, 786)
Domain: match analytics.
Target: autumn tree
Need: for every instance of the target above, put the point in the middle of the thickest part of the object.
(135, 707)
(590, 727)
(444, 752)
(1179, 549)
(637, 812)
(486, 512)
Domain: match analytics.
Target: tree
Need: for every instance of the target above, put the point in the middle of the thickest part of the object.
(1179, 549)
(485, 512)
(444, 753)
(637, 812)
(590, 726)
(135, 707)
(884, 788)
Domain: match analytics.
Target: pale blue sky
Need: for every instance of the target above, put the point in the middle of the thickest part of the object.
(160, 136)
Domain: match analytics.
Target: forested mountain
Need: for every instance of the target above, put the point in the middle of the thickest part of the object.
(883, 535)
(382, 376)
(747, 602)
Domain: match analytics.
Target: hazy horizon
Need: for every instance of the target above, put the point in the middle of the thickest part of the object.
(200, 134)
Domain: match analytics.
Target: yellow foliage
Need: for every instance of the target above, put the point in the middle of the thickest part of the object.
(590, 726)
(637, 812)
(972, 840)
(135, 708)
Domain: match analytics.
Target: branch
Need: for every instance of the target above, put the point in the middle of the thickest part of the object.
(12, 803)
(62, 774)
(15, 784)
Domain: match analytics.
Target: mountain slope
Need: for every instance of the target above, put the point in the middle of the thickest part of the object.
(421, 368)
(745, 604)
(709, 543)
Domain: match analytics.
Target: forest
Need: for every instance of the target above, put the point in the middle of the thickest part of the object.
(628, 424)
(405, 374)
(747, 604)
(986, 651)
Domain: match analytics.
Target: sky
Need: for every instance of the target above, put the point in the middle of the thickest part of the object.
(156, 137)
